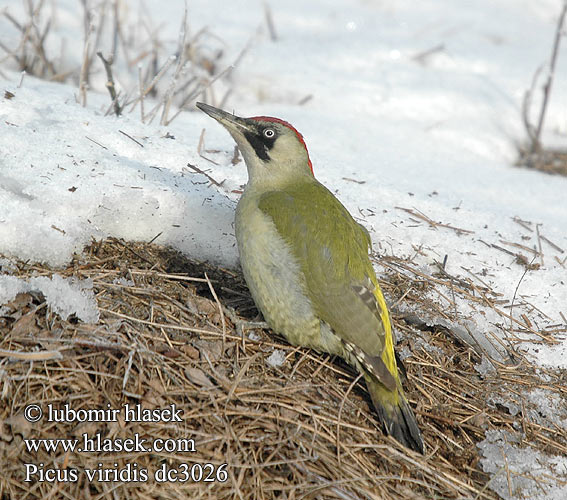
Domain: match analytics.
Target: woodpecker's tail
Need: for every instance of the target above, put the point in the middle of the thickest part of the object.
(395, 413)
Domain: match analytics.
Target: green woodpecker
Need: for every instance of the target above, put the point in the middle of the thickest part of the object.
(305, 260)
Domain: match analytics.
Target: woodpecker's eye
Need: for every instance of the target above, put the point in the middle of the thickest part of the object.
(269, 133)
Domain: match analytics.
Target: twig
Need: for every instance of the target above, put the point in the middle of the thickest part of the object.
(97, 143)
(141, 92)
(157, 325)
(155, 237)
(421, 57)
(200, 88)
(116, 28)
(31, 35)
(432, 223)
(523, 223)
(120, 34)
(536, 143)
(101, 20)
(154, 82)
(221, 312)
(353, 180)
(153, 112)
(305, 100)
(551, 244)
(494, 245)
(31, 356)
(199, 171)
(516, 291)
(527, 104)
(110, 82)
(235, 156)
(180, 62)
(201, 142)
(225, 97)
(128, 368)
(84, 76)
(240, 56)
(131, 138)
(522, 247)
(241, 374)
(538, 235)
(270, 22)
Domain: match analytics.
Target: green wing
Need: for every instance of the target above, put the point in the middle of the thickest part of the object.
(332, 250)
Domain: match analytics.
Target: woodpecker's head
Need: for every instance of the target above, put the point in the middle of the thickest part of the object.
(273, 150)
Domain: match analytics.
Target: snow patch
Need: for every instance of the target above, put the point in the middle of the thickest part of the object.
(522, 472)
(276, 359)
(65, 296)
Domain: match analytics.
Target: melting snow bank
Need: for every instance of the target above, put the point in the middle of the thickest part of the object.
(65, 296)
(522, 472)
(69, 174)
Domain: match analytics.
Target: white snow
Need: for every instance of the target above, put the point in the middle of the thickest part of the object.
(414, 105)
(522, 472)
(64, 296)
(276, 359)
(64, 189)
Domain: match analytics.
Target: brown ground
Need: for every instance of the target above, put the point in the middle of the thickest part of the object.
(180, 334)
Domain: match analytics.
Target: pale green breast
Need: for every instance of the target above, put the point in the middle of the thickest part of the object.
(273, 275)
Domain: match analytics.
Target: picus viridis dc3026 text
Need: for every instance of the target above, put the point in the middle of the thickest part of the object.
(305, 260)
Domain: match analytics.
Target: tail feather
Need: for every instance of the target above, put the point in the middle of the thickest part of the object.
(398, 419)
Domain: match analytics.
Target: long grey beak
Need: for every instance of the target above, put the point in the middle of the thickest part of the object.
(231, 122)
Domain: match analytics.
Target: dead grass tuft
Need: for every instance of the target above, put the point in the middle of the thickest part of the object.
(550, 161)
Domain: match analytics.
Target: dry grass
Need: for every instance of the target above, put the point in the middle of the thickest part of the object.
(172, 334)
(550, 161)
(144, 68)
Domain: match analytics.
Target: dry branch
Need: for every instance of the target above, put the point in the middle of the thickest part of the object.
(110, 82)
(551, 75)
(534, 155)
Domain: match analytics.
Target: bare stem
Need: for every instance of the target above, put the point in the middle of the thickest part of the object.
(153, 83)
(527, 104)
(536, 144)
(141, 92)
(180, 61)
(110, 82)
(83, 78)
(270, 22)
